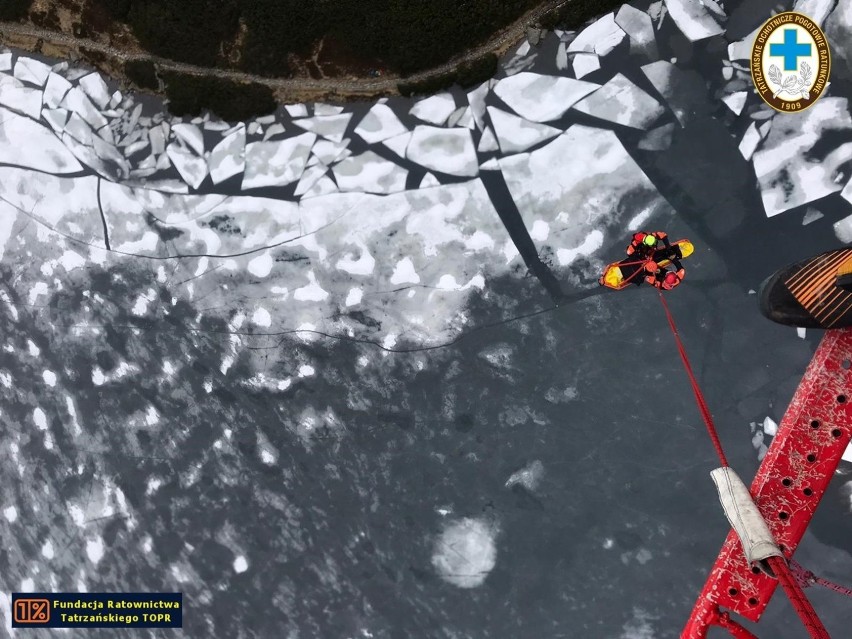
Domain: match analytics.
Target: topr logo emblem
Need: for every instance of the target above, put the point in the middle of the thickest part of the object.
(790, 62)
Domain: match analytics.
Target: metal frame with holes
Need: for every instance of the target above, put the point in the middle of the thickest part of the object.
(815, 431)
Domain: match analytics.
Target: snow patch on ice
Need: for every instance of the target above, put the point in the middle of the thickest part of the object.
(465, 552)
(404, 273)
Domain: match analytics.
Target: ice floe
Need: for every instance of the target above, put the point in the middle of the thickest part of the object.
(296, 110)
(6, 61)
(93, 85)
(55, 90)
(78, 102)
(541, 98)
(639, 28)
(429, 181)
(32, 71)
(276, 163)
(327, 153)
(320, 108)
(600, 37)
(529, 476)
(369, 173)
(476, 100)
(516, 134)
(562, 56)
(811, 216)
(446, 150)
(787, 174)
(309, 178)
(330, 127)
(192, 168)
(435, 109)
(323, 186)
(736, 101)
(228, 157)
(741, 49)
(190, 135)
(584, 63)
(693, 19)
(622, 102)
(488, 142)
(379, 124)
(398, 144)
(750, 141)
(14, 95)
(273, 130)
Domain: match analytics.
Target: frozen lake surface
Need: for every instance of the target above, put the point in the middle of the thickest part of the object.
(309, 369)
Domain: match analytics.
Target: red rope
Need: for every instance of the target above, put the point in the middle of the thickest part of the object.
(800, 602)
(806, 578)
(699, 396)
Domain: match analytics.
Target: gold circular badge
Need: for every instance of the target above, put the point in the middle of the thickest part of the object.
(790, 62)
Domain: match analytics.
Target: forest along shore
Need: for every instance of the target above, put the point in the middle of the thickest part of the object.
(148, 72)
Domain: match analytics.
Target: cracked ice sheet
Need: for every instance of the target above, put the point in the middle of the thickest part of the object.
(541, 98)
(213, 225)
(369, 173)
(788, 177)
(446, 241)
(26, 143)
(582, 182)
(61, 210)
(15, 96)
(449, 151)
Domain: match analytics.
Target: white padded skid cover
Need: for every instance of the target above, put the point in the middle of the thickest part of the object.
(740, 509)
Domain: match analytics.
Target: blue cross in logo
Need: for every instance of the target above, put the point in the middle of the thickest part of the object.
(790, 50)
